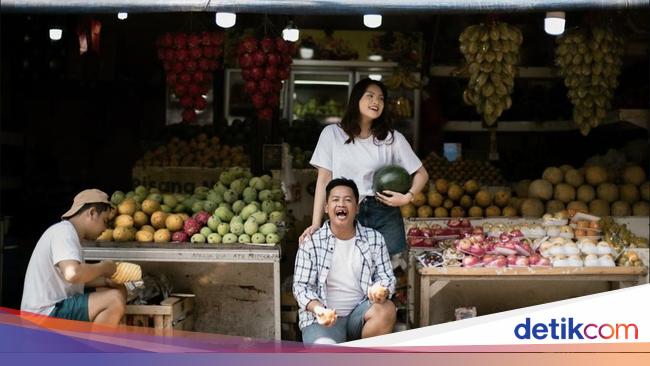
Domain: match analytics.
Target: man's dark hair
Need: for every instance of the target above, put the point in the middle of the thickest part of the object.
(99, 207)
(341, 182)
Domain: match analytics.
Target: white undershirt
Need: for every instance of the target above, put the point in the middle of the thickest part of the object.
(343, 287)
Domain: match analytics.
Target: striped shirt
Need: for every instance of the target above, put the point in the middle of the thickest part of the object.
(313, 262)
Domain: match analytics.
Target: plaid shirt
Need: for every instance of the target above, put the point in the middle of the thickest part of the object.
(314, 259)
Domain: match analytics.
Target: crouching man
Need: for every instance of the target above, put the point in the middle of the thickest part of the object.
(343, 277)
(59, 283)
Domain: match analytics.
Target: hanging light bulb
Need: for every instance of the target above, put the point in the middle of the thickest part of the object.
(56, 33)
(122, 15)
(226, 20)
(372, 20)
(290, 33)
(554, 22)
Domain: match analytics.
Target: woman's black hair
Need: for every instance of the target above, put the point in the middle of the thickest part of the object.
(381, 126)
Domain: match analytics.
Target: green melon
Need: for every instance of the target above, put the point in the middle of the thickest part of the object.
(607, 192)
(565, 193)
(574, 177)
(633, 174)
(553, 175)
(554, 206)
(599, 207)
(391, 178)
(540, 188)
(595, 174)
(532, 207)
(585, 193)
(628, 193)
(641, 208)
(621, 208)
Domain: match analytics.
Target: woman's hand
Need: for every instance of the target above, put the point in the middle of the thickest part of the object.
(393, 199)
(308, 232)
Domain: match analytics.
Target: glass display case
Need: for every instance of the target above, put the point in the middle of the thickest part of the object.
(320, 95)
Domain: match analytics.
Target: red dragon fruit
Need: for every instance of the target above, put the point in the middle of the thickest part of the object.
(191, 226)
(202, 217)
(180, 237)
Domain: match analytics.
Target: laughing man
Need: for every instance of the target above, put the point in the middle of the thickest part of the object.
(343, 277)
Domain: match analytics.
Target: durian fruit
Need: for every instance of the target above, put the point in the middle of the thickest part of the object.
(127, 272)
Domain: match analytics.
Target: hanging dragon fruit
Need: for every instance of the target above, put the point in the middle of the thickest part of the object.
(264, 63)
(189, 60)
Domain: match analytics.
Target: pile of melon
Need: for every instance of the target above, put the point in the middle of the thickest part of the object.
(462, 170)
(450, 199)
(591, 189)
(199, 151)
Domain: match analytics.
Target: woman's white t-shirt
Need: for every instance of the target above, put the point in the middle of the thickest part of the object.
(359, 160)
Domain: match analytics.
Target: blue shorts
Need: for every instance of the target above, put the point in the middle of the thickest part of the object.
(72, 308)
(346, 328)
(385, 219)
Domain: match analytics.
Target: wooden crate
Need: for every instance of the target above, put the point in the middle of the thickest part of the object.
(289, 317)
(174, 312)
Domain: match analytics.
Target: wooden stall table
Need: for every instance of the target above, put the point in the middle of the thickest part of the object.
(433, 280)
(237, 286)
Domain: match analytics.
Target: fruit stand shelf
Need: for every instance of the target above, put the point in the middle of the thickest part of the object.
(237, 286)
(637, 117)
(343, 64)
(618, 273)
(433, 280)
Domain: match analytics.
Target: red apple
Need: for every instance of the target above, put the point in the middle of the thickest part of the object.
(195, 53)
(190, 65)
(185, 78)
(200, 103)
(271, 73)
(193, 40)
(259, 58)
(181, 54)
(194, 90)
(265, 114)
(179, 67)
(250, 87)
(245, 60)
(273, 100)
(470, 261)
(187, 101)
(198, 77)
(204, 64)
(267, 44)
(189, 115)
(180, 90)
(534, 259)
(512, 259)
(257, 73)
(266, 86)
(249, 44)
(180, 40)
(258, 100)
(272, 59)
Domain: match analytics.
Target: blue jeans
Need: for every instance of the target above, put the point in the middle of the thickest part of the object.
(385, 219)
(346, 328)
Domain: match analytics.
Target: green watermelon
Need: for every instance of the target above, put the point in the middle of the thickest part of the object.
(391, 178)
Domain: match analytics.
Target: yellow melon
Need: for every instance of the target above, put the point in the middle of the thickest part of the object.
(595, 174)
(122, 233)
(578, 206)
(501, 198)
(419, 199)
(574, 178)
(628, 193)
(162, 236)
(532, 207)
(435, 199)
(509, 211)
(124, 221)
(140, 219)
(641, 208)
(554, 206)
(425, 211)
(441, 186)
(126, 207)
(471, 186)
(540, 188)
(174, 222)
(585, 193)
(457, 211)
(483, 198)
(148, 228)
(553, 175)
(633, 174)
(455, 192)
(150, 206)
(492, 211)
(408, 210)
(106, 235)
(564, 193)
(158, 219)
(621, 208)
(599, 207)
(441, 212)
(144, 236)
(607, 192)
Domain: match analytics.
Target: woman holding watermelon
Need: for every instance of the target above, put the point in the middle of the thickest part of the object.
(362, 143)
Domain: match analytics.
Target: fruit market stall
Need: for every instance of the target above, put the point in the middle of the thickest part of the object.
(498, 264)
(237, 287)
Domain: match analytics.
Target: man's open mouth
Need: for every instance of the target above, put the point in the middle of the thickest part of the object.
(341, 213)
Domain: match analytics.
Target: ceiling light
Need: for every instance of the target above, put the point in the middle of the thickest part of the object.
(122, 15)
(372, 20)
(290, 33)
(554, 22)
(375, 58)
(375, 77)
(56, 34)
(226, 20)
